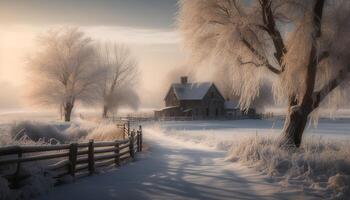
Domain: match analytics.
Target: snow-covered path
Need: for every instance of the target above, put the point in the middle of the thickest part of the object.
(173, 170)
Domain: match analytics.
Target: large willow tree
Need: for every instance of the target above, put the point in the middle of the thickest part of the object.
(303, 44)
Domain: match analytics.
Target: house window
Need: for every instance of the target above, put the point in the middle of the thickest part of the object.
(207, 112)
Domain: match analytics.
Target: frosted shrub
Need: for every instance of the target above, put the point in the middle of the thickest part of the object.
(5, 139)
(319, 164)
(77, 131)
(105, 132)
(36, 131)
(39, 133)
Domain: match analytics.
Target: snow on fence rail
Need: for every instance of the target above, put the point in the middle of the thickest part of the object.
(70, 159)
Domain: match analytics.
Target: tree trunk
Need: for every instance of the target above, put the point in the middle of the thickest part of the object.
(105, 111)
(296, 119)
(294, 126)
(299, 109)
(68, 111)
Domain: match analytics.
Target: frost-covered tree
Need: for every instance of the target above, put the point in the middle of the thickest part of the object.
(224, 78)
(225, 81)
(64, 70)
(302, 44)
(121, 73)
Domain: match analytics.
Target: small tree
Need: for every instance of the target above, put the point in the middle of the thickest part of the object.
(121, 73)
(64, 71)
(302, 44)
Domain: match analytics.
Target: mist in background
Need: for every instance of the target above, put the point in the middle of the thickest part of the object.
(146, 26)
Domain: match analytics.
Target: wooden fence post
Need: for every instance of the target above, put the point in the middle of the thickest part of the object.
(128, 128)
(117, 153)
(73, 150)
(138, 140)
(124, 130)
(18, 168)
(91, 161)
(131, 145)
(140, 128)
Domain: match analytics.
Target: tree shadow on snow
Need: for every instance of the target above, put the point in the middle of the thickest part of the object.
(166, 173)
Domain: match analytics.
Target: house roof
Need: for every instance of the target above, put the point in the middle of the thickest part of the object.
(191, 91)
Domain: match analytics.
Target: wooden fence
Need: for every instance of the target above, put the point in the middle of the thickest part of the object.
(70, 159)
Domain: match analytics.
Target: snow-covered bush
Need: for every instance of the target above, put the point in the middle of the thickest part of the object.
(319, 164)
(36, 131)
(105, 132)
(78, 130)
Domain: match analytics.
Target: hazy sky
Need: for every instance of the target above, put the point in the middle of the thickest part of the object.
(148, 26)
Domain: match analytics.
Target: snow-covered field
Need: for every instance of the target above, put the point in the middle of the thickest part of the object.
(325, 128)
(319, 170)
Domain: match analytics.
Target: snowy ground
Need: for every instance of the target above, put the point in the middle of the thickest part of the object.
(171, 169)
(187, 160)
(327, 128)
(321, 166)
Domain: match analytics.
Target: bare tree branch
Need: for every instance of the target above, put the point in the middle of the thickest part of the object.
(267, 65)
(270, 27)
(260, 57)
(120, 75)
(313, 62)
(319, 96)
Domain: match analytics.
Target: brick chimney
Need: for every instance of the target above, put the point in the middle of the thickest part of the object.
(184, 79)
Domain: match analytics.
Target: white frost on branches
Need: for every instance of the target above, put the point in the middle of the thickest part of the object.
(64, 70)
(120, 77)
(239, 34)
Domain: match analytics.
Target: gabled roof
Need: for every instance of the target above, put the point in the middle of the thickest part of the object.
(191, 91)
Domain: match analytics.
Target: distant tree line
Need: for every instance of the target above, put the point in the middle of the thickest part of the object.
(69, 68)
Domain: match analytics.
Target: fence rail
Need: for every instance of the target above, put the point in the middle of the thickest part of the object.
(70, 159)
